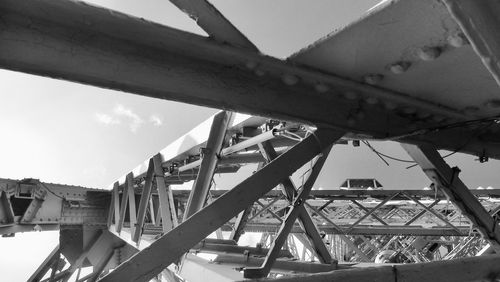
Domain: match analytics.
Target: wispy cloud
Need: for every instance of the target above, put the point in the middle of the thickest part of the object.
(155, 120)
(106, 119)
(126, 116)
(135, 120)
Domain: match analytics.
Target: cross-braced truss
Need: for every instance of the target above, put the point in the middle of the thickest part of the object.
(299, 230)
(144, 230)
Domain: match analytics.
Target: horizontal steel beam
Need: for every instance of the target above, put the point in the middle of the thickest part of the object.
(337, 194)
(90, 45)
(363, 230)
(485, 268)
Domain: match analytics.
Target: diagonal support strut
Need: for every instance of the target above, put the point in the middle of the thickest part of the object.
(152, 260)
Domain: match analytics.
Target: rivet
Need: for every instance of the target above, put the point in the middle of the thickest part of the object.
(493, 104)
(251, 65)
(390, 105)
(373, 79)
(399, 67)
(351, 95)
(321, 88)
(457, 40)
(429, 53)
(289, 79)
(371, 100)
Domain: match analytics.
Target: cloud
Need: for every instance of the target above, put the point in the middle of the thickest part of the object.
(135, 120)
(155, 120)
(124, 115)
(106, 119)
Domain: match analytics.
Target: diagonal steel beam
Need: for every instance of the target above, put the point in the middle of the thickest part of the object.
(296, 209)
(367, 211)
(446, 179)
(179, 66)
(341, 234)
(35, 205)
(265, 208)
(83, 256)
(421, 213)
(305, 219)
(129, 189)
(201, 186)
(214, 23)
(240, 224)
(45, 266)
(168, 248)
(372, 211)
(433, 212)
(480, 23)
(164, 203)
(268, 209)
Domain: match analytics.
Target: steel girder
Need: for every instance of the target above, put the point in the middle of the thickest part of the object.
(208, 165)
(296, 210)
(460, 270)
(133, 55)
(447, 179)
(479, 21)
(153, 259)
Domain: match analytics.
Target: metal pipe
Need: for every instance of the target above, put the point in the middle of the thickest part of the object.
(268, 135)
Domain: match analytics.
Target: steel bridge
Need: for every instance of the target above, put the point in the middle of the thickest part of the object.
(298, 229)
(142, 229)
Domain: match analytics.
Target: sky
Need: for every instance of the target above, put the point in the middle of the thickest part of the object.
(63, 132)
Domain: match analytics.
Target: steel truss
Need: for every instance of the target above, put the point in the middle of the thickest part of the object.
(142, 227)
(143, 212)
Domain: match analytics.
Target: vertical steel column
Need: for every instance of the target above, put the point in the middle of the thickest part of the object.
(201, 186)
(165, 210)
(446, 179)
(294, 212)
(129, 188)
(116, 202)
(111, 209)
(5, 205)
(143, 203)
(168, 248)
(123, 208)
